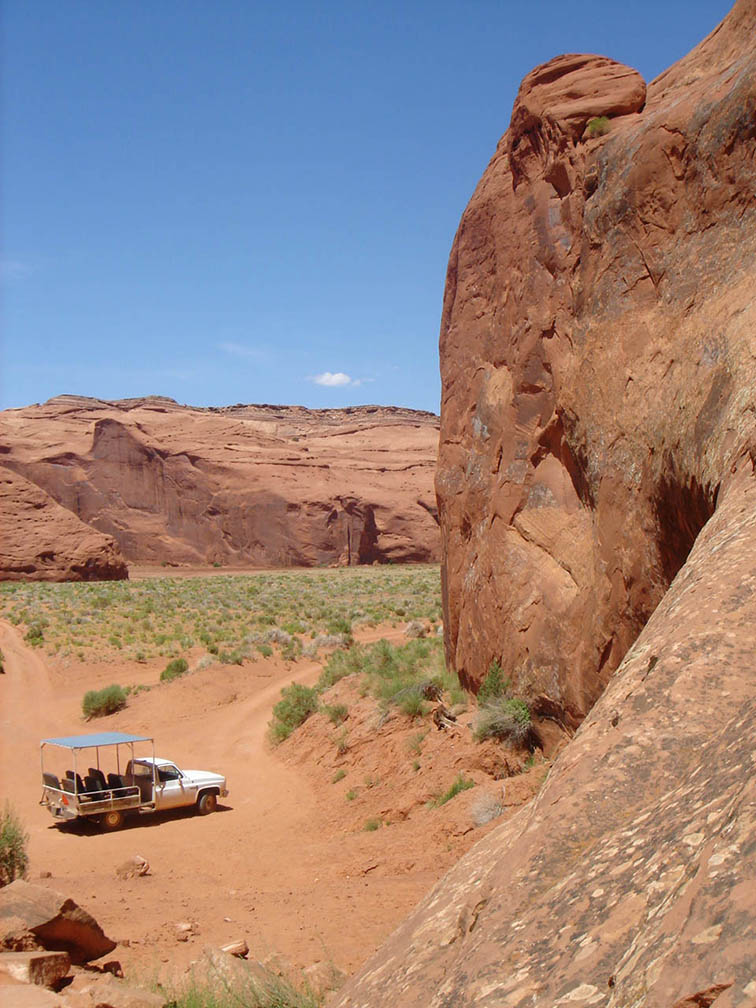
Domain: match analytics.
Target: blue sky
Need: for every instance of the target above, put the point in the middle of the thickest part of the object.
(236, 201)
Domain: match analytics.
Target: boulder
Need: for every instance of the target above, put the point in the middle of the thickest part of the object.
(42, 968)
(134, 867)
(33, 915)
(103, 990)
(29, 996)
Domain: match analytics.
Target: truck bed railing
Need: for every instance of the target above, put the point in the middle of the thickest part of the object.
(87, 803)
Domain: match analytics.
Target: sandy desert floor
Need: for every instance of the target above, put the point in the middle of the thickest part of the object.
(282, 863)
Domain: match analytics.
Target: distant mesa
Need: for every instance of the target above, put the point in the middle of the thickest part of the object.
(90, 486)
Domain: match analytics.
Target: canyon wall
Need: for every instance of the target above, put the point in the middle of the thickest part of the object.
(264, 486)
(597, 494)
(597, 360)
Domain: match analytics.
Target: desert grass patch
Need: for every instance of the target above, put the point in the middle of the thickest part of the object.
(165, 617)
(14, 860)
(98, 703)
(261, 989)
(297, 703)
(460, 784)
(174, 669)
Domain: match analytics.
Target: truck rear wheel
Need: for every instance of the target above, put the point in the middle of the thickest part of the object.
(112, 821)
(207, 803)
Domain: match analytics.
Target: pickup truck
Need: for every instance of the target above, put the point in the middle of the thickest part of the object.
(102, 793)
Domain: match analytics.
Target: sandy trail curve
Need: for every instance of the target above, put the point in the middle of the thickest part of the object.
(269, 866)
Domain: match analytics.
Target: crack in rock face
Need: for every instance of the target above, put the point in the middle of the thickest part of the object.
(597, 498)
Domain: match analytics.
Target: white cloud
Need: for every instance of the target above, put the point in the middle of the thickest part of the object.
(333, 380)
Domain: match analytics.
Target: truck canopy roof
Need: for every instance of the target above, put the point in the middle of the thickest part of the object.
(158, 760)
(93, 741)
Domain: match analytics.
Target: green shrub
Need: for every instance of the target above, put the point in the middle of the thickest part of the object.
(235, 657)
(13, 840)
(336, 713)
(97, 703)
(339, 625)
(413, 705)
(35, 635)
(295, 706)
(265, 650)
(372, 825)
(339, 665)
(461, 783)
(175, 668)
(506, 719)
(598, 126)
(339, 775)
(2, 662)
(494, 685)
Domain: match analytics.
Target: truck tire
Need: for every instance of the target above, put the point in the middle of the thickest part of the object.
(112, 821)
(207, 803)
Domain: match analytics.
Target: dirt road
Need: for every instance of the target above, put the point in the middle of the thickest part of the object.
(269, 866)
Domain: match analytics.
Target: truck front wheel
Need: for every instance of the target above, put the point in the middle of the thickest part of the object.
(112, 821)
(207, 803)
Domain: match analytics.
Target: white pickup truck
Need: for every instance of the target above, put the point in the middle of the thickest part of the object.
(103, 794)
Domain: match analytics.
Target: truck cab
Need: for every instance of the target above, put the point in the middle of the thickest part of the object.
(162, 782)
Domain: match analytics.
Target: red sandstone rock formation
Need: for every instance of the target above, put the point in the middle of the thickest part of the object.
(597, 486)
(42, 541)
(597, 360)
(245, 485)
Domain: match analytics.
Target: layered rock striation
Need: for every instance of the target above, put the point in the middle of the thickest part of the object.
(259, 486)
(597, 495)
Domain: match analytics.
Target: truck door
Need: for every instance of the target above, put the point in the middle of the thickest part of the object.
(173, 790)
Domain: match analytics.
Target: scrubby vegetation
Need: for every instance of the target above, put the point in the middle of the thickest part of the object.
(271, 991)
(175, 668)
(494, 685)
(405, 677)
(14, 860)
(236, 617)
(461, 783)
(295, 706)
(598, 126)
(506, 719)
(97, 703)
(501, 716)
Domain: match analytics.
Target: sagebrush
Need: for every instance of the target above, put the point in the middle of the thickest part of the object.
(14, 861)
(97, 703)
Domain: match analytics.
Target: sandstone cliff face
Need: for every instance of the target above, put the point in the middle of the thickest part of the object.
(41, 541)
(630, 881)
(597, 486)
(248, 485)
(597, 360)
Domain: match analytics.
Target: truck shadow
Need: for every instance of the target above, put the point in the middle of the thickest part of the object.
(85, 827)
